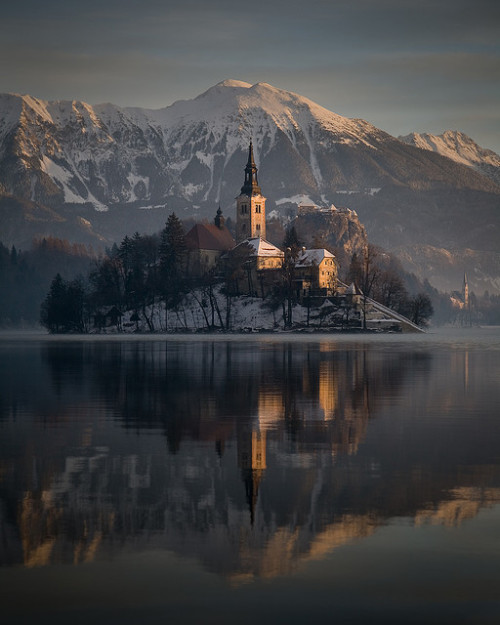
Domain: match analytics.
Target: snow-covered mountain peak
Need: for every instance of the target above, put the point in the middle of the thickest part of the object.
(453, 144)
(230, 82)
(190, 155)
(21, 109)
(249, 111)
(459, 147)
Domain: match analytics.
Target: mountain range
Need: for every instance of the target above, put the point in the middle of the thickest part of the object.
(96, 173)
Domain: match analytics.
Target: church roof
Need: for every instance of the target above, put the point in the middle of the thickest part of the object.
(307, 258)
(251, 184)
(260, 247)
(209, 237)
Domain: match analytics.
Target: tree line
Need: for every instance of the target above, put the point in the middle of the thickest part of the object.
(149, 275)
(140, 274)
(68, 288)
(25, 276)
(380, 277)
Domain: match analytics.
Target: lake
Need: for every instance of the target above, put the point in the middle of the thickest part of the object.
(250, 479)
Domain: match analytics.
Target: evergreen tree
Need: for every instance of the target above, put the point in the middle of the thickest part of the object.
(64, 308)
(53, 310)
(107, 284)
(292, 241)
(172, 263)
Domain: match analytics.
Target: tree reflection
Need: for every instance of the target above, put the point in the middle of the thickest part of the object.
(250, 456)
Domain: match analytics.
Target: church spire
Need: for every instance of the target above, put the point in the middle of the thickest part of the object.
(465, 290)
(219, 219)
(251, 184)
(250, 205)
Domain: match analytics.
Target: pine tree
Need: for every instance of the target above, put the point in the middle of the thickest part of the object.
(291, 240)
(172, 263)
(64, 308)
(53, 309)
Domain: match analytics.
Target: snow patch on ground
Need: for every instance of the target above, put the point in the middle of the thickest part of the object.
(195, 313)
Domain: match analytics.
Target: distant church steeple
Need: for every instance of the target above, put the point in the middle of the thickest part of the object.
(219, 219)
(250, 204)
(465, 290)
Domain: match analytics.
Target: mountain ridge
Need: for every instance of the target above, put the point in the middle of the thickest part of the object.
(459, 147)
(102, 163)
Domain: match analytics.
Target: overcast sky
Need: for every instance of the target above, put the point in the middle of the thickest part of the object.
(425, 66)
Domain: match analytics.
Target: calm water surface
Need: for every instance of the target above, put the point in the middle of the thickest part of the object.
(271, 480)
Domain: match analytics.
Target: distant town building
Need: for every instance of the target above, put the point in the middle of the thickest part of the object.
(461, 301)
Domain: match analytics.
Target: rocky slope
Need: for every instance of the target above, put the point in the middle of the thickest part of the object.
(445, 268)
(339, 230)
(100, 172)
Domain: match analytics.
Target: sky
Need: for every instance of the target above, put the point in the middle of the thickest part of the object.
(425, 66)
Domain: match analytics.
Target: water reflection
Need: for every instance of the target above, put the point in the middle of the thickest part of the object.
(250, 457)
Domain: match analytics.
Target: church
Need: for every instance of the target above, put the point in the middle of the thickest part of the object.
(260, 262)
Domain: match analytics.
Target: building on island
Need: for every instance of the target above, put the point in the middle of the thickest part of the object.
(316, 271)
(255, 262)
(257, 268)
(258, 264)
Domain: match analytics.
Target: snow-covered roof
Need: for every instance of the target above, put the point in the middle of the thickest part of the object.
(260, 247)
(307, 258)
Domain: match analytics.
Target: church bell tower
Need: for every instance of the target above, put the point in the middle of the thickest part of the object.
(250, 205)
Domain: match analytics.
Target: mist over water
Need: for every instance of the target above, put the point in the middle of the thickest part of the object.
(237, 479)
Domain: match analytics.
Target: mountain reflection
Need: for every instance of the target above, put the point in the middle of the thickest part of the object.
(250, 456)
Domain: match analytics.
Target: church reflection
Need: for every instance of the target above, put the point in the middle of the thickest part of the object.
(250, 457)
